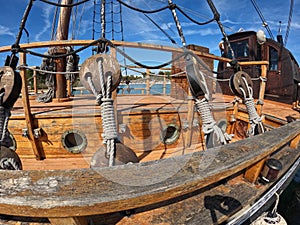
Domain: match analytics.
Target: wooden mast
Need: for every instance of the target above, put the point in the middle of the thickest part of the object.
(62, 34)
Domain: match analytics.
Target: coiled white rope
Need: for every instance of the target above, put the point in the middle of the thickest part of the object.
(4, 117)
(9, 164)
(254, 118)
(271, 217)
(110, 133)
(105, 100)
(208, 122)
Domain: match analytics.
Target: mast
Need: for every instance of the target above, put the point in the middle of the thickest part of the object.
(62, 34)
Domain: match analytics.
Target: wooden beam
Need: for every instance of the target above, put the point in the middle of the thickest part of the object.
(190, 118)
(69, 221)
(295, 142)
(28, 116)
(130, 45)
(262, 88)
(64, 193)
(60, 79)
(252, 173)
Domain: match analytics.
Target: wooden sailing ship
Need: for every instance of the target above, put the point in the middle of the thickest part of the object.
(154, 159)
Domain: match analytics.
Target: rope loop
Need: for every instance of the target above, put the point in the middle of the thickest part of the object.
(256, 125)
(209, 125)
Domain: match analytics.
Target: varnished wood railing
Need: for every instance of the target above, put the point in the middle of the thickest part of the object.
(72, 193)
(127, 44)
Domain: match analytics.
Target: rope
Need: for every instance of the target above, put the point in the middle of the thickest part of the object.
(104, 99)
(178, 25)
(271, 217)
(5, 140)
(54, 22)
(209, 124)
(45, 71)
(254, 118)
(217, 18)
(4, 116)
(262, 18)
(143, 11)
(289, 22)
(9, 164)
(103, 26)
(63, 5)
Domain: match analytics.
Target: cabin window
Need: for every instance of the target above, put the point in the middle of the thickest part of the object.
(240, 49)
(273, 59)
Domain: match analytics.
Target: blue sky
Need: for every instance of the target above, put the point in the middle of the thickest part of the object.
(235, 15)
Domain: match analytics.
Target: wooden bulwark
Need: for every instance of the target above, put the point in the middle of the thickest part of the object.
(82, 192)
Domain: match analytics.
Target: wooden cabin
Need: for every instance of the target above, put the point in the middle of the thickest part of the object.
(283, 74)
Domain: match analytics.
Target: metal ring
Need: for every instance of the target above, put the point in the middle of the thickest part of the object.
(74, 141)
(170, 134)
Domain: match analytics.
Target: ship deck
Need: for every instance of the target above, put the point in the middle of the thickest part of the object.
(86, 104)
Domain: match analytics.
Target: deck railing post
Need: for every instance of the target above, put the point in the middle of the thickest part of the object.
(262, 88)
(35, 81)
(28, 115)
(147, 81)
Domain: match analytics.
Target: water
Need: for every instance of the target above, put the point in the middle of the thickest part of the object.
(134, 89)
(141, 89)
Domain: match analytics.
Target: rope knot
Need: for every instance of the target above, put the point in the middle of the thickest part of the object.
(172, 6)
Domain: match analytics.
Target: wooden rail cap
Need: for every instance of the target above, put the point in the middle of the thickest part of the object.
(73, 193)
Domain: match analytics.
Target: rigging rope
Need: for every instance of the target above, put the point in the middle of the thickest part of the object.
(265, 24)
(172, 7)
(209, 125)
(74, 16)
(80, 20)
(165, 33)
(4, 115)
(54, 21)
(103, 26)
(256, 125)
(63, 5)
(94, 16)
(289, 22)
(141, 10)
(104, 98)
(217, 18)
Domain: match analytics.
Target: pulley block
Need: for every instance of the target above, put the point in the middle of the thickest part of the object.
(99, 65)
(124, 155)
(10, 85)
(240, 80)
(9, 159)
(195, 77)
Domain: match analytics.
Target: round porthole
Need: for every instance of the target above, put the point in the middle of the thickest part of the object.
(74, 141)
(170, 134)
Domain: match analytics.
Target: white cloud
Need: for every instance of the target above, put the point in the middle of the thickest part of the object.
(6, 31)
(46, 14)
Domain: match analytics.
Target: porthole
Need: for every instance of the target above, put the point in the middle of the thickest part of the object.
(74, 141)
(170, 134)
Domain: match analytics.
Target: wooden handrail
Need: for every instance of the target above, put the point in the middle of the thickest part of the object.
(38, 152)
(127, 44)
(71, 193)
